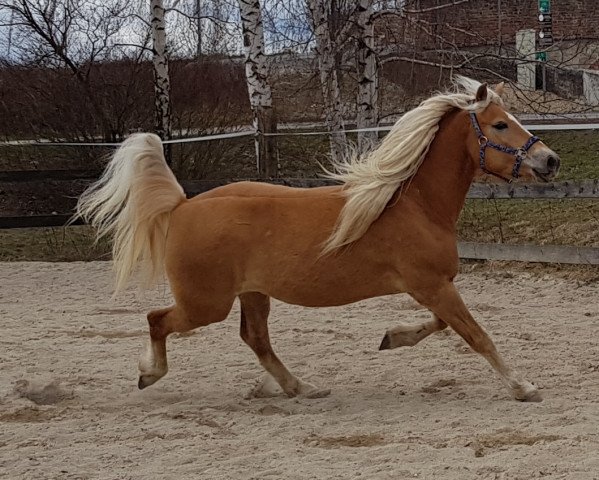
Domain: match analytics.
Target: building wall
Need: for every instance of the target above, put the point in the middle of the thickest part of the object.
(493, 22)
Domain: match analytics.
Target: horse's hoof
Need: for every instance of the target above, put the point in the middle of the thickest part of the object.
(266, 387)
(531, 397)
(317, 393)
(307, 390)
(386, 343)
(528, 393)
(146, 380)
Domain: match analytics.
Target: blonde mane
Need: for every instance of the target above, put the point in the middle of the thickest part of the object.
(370, 182)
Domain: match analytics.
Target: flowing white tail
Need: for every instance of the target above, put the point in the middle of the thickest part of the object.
(132, 202)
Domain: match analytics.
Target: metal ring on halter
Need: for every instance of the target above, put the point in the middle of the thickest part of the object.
(483, 140)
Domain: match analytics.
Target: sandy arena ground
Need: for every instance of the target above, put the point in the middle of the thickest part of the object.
(70, 409)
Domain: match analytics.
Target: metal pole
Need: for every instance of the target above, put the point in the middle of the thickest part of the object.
(500, 39)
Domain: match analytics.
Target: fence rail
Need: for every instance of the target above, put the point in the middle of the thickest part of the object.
(566, 189)
(564, 254)
(556, 190)
(60, 175)
(529, 253)
(569, 189)
(543, 123)
(467, 250)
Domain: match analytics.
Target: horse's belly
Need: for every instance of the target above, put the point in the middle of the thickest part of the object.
(325, 285)
(319, 297)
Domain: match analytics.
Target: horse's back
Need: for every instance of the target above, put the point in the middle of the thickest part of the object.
(253, 212)
(268, 190)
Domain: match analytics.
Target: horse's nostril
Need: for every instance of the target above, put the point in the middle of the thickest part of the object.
(553, 163)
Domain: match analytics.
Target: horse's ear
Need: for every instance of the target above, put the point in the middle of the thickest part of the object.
(500, 88)
(481, 93)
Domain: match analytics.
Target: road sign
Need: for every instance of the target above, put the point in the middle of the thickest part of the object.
(544, 6)
(545, 40)
(545, 24)
(542, 56)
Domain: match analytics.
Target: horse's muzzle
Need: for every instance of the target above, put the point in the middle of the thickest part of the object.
(546, 167)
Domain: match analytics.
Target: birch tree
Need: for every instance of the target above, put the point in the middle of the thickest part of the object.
(203, 27)
(320, 11)
(259, 91)
(162, 104)
(368, 76)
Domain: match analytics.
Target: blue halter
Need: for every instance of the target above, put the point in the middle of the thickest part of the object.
(519, 153)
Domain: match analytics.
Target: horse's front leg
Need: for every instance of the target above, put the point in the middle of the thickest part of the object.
(447, 304)
(409, 334)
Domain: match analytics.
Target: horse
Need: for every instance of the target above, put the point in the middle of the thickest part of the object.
(388, 227)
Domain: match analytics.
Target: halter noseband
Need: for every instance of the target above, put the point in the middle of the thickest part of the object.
(519, 153)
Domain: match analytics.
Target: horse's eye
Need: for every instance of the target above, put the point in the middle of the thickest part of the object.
(500, 126)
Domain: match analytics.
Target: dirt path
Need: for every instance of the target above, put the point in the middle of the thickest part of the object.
(69, 407)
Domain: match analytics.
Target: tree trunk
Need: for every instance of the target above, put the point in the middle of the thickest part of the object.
(259, 91)
(368, 78)
(162, 104)
(198, 10)
(325, 51)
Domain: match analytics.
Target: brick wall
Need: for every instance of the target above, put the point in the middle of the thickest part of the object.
(489, 22)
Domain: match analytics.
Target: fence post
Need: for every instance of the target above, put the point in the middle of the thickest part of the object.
(525, 48)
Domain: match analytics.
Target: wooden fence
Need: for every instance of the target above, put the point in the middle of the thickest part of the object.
(469, 250)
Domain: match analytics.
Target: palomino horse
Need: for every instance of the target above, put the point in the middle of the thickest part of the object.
(389, 228)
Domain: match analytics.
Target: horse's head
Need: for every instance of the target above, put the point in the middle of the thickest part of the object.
(501, 146)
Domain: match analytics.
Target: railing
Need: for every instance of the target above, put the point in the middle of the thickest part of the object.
(469, 250)
(581, 189)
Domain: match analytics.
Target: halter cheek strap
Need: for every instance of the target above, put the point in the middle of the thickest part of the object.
(518, 153)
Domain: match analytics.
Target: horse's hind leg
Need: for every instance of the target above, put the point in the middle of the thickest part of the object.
(408, 335)
(255, 308)
(152, 363)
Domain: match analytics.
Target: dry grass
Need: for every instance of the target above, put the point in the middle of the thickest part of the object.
(543, 222)
(63, 244)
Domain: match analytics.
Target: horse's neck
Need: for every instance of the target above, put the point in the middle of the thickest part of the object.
(443, 179)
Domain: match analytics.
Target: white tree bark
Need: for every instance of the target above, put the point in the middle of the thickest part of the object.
(162, 86)
(256, 72)
(368, 76)
(325, 51)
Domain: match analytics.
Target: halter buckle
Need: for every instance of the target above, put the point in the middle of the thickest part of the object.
(482, 140)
